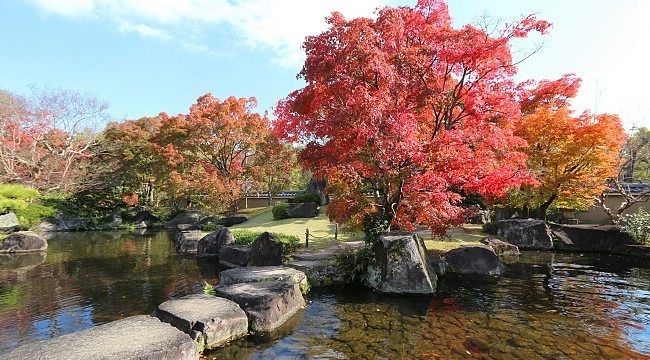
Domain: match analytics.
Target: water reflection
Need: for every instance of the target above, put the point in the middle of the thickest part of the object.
(89, 279)
(547, 305)
(554, 306)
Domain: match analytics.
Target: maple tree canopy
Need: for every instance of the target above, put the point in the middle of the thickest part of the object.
(572, 157)
(411, 110)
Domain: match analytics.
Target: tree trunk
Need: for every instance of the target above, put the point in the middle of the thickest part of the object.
(541, 212)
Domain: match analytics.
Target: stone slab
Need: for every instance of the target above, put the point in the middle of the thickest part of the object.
(268, 305)
(264, 274)
(209, 320)
(319, 273)
(234, 255)
(137, 337)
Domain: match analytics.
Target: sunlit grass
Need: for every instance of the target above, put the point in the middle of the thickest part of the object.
(320, 229)
(467, 235)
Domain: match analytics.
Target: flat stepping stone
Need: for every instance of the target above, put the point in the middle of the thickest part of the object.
(319, 273)
(209, 320)
(267, 304)
(328, 253)
(135, 337)
(264, 274)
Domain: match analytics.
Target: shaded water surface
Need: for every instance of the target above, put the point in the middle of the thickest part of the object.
(553, 306)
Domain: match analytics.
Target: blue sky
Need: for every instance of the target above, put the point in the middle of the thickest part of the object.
(146, 56)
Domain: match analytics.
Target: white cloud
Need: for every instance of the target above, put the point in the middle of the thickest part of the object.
(144, 31)
(280, 25)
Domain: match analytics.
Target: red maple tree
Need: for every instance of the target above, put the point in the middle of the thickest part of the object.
(411, 110)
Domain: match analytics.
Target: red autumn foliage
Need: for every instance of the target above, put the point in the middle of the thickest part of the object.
(409, 109)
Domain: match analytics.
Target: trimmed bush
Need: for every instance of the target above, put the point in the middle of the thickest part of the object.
(212, 227)
(280, 211)
(490, 228)
(17, 198)
(246, 237)
(306, 198)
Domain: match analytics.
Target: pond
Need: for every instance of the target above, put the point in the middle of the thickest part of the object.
(547, 305)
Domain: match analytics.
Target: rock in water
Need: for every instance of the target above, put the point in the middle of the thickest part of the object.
(137, 337)
(8, 222)
(266, 250)
(211, 321)
(401, 265)
(267, 304)
(234, 255)
(501, 248)
(264, 274)
(527, 234)
(474, 260)
(210, 244)
(187, 241)
(23, 241)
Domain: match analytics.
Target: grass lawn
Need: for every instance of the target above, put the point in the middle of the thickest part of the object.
(320, 229)
(469, 234)
(261, 219)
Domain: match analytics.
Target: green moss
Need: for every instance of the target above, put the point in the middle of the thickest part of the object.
(313, 281)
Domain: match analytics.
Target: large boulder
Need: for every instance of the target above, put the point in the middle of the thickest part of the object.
(474, 260)
(141, 217)
(8, 222)
(318, 187)
(210, 244)
(264, 274)
(319, 272)
(401, 265)
(138, 337)
(209, 320)
(187, 241)
(51, 225)
(267, 304)
(188, 217)
(79, 224)
(234, 255)
(527, 234)
(303, 210)
(266, 250)
(231, 220)
(597, 238)
(23, 241)
(113, 219)
(501, 248)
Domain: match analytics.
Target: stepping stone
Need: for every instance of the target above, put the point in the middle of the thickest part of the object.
(136, 337)
(234, 255)
(319, 273)
(209, 320)
(264, 274)
(267, 304)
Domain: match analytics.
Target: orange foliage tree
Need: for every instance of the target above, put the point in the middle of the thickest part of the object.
(572, 157)
(209, 155)
(411, 110)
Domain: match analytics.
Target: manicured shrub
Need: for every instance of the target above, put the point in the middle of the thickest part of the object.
(306, 198)
(18, 199)
(246, 237)
(637, 226)
(212, 227)
(280, 211)
(490, 228)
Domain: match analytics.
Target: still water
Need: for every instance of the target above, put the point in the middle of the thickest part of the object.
(547, 305)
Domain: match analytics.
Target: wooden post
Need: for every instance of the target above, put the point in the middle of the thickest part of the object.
(307, 238)
(336, 231)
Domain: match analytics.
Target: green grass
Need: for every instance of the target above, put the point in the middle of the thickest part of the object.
(467, 235)
(320, 229)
